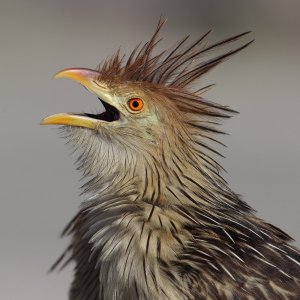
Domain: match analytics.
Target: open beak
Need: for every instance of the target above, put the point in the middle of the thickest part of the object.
(89, 79)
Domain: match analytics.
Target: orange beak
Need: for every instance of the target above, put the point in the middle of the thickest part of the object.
(88, 78)
(71, 120)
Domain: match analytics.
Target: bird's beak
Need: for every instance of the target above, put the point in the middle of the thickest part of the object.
(71, 120)
(88, 78)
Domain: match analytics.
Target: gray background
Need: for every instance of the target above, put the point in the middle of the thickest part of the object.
(38, 183)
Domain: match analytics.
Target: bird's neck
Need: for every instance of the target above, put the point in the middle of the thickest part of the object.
(136, 244)
(142, 221)
(144, 211)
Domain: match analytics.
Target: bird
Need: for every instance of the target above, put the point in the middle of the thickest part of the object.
(159, 221)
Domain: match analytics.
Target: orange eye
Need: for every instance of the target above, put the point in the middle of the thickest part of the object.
(136, 104)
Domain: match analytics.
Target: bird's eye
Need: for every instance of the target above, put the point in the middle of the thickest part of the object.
(136, 104)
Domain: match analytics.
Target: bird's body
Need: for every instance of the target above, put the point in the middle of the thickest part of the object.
(160, 222)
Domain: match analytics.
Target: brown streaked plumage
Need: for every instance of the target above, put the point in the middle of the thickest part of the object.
(159, 221)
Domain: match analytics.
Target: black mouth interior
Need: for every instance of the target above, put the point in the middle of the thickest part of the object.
(109, 115)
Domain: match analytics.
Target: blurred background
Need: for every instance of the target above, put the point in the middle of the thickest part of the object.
(39, 185)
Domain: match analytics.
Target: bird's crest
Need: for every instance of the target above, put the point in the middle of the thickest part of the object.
(177, 67)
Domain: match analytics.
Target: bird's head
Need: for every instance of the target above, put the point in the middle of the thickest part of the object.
(137, 115)
(152, 122)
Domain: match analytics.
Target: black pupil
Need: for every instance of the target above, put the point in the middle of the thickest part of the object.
(135, 104)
